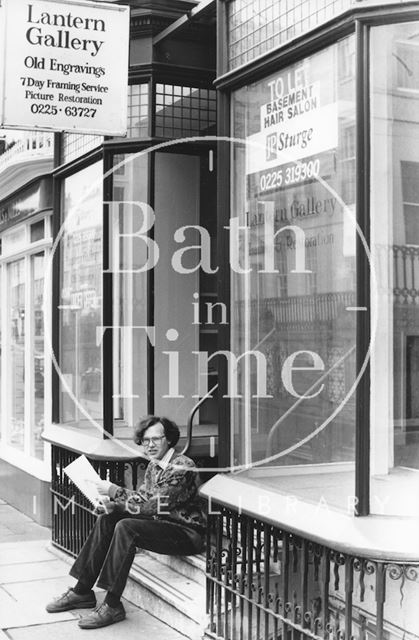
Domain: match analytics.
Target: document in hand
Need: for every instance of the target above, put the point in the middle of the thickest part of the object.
(81, 472)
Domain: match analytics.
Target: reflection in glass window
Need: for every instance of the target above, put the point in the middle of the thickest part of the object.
(38, 356)
(2, 416)
(16, 388)
(81, 297)
(130, 349)
(395, 234)
(293, 188)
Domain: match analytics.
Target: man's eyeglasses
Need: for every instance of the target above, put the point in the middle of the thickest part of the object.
(155, 440)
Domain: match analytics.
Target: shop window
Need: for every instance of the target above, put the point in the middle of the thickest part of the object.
(24, 405)
(184, 111)
(138, 110)
(395, 251)
(346, 60)
(258, 26)
(80, 306)
(296, 431)
(406, 55)
(130, 290)
(38, 231)
(77, 144)
(16, 355)
(14, 240)
(37, 268)
(348, 164)
(410, 195)
(147, 284)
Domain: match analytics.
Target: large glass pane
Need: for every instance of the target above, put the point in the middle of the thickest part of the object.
(177, 204)
(294, 197)
(16, 388)
(81, 299)
(2, 417)
(38, 357)
(130, 348)
(184, 197)
(395, 234)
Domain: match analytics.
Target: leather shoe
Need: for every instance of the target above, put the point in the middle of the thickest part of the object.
(70, 600)
(102, 616)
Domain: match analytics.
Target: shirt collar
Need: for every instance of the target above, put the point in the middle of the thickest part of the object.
(163, 462)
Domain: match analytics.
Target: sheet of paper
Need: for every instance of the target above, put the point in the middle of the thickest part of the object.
(83, 475)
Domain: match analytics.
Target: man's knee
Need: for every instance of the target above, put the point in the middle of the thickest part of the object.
(105, 522)
(122, 526)
(127, 528)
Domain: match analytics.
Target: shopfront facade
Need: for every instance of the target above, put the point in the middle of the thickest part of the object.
(25, 387)
(123, 325)
(264, 205)
(90, 320)
(314, 530)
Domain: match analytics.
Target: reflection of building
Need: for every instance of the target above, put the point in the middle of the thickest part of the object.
(330, 439)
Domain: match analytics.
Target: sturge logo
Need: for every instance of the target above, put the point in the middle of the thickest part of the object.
(271, 147)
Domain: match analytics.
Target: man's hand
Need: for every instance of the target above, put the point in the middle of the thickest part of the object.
(102, 487)
(104, 506)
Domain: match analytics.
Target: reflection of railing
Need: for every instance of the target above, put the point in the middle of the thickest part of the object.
(319, 307)
(206, 397)
(264, 581)
(406, 274)
(35, 145)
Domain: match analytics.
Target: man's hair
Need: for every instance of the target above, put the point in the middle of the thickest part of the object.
(171, 430)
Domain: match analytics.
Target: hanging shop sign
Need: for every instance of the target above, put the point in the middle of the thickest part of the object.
(65, 66)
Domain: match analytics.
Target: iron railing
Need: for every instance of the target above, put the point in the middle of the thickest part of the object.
(72, 514)
(299, 310)
(406, 274)
(265, 583)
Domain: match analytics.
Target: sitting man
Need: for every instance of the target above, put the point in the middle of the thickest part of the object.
(162, 516)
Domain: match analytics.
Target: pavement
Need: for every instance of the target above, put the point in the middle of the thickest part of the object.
(31, 575)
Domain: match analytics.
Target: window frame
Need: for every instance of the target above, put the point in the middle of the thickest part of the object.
(357, 21)
(23, 457)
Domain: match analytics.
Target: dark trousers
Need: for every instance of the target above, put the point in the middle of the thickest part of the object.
(108, 552)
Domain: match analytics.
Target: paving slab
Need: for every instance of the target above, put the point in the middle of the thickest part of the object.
(6, 599)
(17, 524)
(16, 617)
(15, 552)
(5, 533)
(30, 571)
(138, 624)
(7, 511)
(23, 535)
(39, 592)
(29, 611)
(26, 603)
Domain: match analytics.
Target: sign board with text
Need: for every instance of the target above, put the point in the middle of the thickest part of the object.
(65, 66)
(304, 135)
(294, 132)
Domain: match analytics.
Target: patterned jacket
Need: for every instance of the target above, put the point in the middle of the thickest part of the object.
(170, 493)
